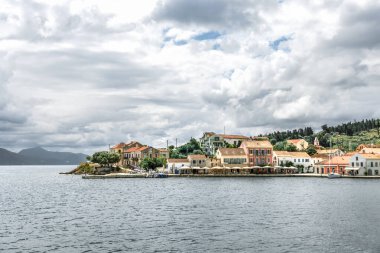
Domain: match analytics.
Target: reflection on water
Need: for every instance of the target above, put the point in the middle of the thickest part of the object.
(42, 211)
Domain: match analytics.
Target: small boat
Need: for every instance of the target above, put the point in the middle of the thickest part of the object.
(333, 175)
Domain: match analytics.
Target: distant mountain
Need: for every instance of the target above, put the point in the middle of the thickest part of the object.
(40, 156)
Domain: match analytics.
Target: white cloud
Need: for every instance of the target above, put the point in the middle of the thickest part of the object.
(84, 74)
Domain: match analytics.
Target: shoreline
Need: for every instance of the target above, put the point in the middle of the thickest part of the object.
(124, 175)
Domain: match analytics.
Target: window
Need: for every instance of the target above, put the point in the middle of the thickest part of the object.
(251, 160)
(303, 160)
(200, 161)
(251, 151)
(268, 152)
(257, 160)
(352, 164)
(299, 160)
(194, 162)
(295, 160)
(268, 160)
(256, 152)
(226, 160)
(357, 158)
(262, 152)
(216, 139)
(371, 164)
(307, 160)
(376, 164)
(361, 164)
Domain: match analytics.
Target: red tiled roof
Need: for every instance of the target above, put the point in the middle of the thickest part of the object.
(232, 151)
(295, 141)
(233, 136)
(120, 145)
(257, 144)
(196, 157)
(291, 154)
(337, 160)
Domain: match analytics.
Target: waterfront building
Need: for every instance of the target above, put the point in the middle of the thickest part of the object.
(164, 152)
(258, 152)
(299, 159)
(337, 164)
(197, 160)
(128, 159)
(119, 148)
(300, 144)
(174, 165)
(365, 164)
(232, 157)
(135, 155)
(370, 150)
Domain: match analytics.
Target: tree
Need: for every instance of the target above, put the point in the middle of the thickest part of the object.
(152, 163)
(105, 158)
(311, 150)
(291, 148)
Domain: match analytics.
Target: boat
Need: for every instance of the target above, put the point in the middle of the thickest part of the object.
(334, 175)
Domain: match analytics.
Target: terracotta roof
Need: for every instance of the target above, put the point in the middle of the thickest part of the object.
(337, 160)
(120, 145)
(257, 144)
(196, 157)
(232, 151)
(234, 136)
(295, 141)
(177, 160)
(291, 154)
(370, 156)
(327, 151)
(370, 150)
(134, 149)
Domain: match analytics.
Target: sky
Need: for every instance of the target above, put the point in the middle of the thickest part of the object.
(82, 75)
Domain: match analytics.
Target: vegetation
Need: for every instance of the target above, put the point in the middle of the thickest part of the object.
(284, 146)
(105, 158)
(192, 147)
(305, 133)
(84, 168)
(352, 128)
(152, 163)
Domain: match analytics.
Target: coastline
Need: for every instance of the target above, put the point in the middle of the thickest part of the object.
(124, 175)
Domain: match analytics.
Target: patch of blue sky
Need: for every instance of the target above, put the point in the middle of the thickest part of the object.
(180, 42)
(211, 35)
(276, 44)
(216, 47)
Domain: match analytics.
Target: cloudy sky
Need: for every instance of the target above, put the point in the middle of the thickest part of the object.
(79, 75)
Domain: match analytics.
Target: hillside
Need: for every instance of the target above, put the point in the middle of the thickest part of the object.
(39, 156)
(349, 143)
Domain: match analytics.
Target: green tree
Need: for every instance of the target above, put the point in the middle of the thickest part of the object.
(311, 150)
(152, 163)
(105, 158)
(291, 148)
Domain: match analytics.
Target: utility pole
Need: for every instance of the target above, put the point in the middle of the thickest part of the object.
(167, 144)
(175, 142)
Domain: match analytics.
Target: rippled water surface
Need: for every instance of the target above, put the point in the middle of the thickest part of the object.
(42, 211)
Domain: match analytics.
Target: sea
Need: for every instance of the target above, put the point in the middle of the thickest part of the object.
(43, 211)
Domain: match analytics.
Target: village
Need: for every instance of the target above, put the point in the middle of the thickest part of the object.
(224, 154)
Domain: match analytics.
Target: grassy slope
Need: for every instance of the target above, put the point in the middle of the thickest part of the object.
(350, 143)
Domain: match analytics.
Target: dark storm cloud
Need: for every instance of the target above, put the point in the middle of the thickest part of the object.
(359, 27)
(218, 13)
(70, 67)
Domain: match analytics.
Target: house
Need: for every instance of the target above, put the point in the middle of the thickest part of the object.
(164, 152)
(300, 144)
(210, 142)
(362, 146)
(331, 152)
(371, 150)
(119, 148)
(337, 164)
(134, 155)
(317, 158)
(173, 165)
(363, 163)
(258, 152)
(232, 157)
(234, 139)
(299, 159)
(197, 160)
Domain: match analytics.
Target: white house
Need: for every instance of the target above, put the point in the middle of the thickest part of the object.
(173, 165)
(300, 144)
(297, 158)
(361, 164)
